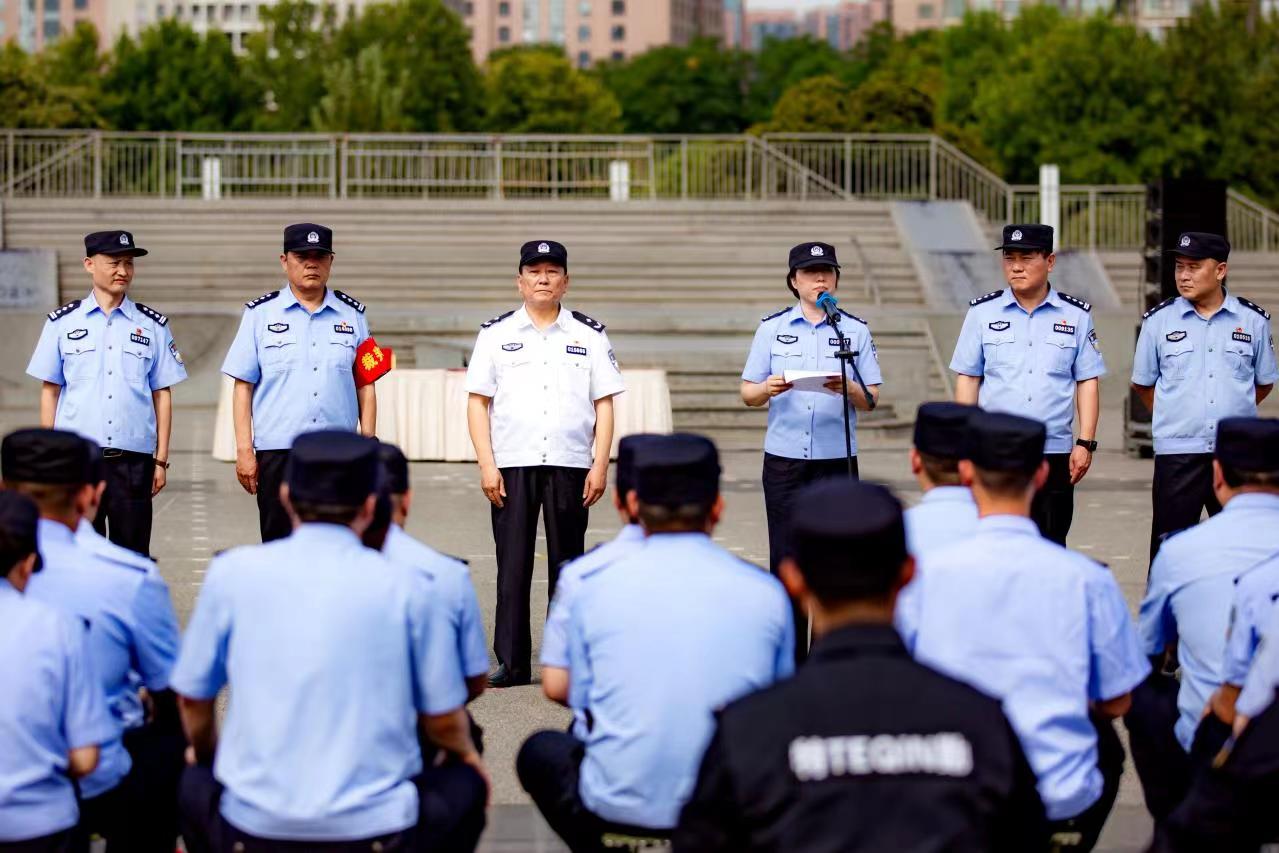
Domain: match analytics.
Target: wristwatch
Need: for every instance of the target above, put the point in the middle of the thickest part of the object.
(1090, 446)
(165, 465)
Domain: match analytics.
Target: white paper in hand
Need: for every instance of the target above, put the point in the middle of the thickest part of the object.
(812, 381)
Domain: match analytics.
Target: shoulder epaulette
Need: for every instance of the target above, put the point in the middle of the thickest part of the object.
(499, 318)
(350, 300)
(853, 317)
(64, 310)
(588, 321)
(152, 313)
(1074, 300)
(1159, 307)
(1248, 303)
(774, 314)
(266, 297)
(989, 296)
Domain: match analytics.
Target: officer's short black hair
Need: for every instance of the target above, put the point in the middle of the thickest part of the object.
(1236, 478)
(1004, 484)
(940, 470)
(848, 539)
(681, 518)
(52, 498)
(341, 514)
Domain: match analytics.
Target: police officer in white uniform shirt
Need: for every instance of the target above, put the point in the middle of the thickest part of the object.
(541, 382)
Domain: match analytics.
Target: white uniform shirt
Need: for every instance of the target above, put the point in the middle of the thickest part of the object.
(544, 385)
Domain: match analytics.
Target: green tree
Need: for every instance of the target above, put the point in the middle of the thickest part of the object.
(287, 62)
(361, 95)
(32, 101)
(817, 105)
(781, 63)
(695, 89)
(173, 79)
(425, 44)
(74, 60)
(536, 90)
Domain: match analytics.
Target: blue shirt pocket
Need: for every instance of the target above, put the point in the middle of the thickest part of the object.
(997, 348)
(1239, 357)
(279, 351)
(1175, 358)
(79, 360)
(785, 357)
(137, 362)
(1060, 354)
(342, 352)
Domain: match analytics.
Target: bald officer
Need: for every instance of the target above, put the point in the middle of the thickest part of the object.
(1203, 355)
(321, 733)
(541, 382)
(1039, 627)
(293, 364)
(53, 715)
(1032, 350)
(108, 364)
(863, 741)
(946, 512)
(648, 686)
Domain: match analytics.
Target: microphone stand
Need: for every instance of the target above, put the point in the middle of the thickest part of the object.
(848, 357)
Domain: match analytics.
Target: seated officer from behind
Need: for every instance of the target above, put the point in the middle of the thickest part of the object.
(555, 683)
(133, 632)
(333, 659)
(52, 711)
(946, 512)
(450, 578)
(675, 630)
(849, 753)
(1186, 611)
(1042, 628)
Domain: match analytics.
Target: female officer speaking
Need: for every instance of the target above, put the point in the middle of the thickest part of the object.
(805, 439)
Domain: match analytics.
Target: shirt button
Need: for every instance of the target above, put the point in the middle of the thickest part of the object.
(315, 393)
(108, 373)
(1209, 375)
(110, 347)
(314, 369)
(1209, 349)
(108, 396)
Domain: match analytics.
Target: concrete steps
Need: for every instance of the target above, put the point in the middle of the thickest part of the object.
(1254, 275)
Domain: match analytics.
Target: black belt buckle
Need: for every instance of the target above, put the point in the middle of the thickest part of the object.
(111, 452)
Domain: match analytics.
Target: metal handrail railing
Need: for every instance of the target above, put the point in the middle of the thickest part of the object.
(869, 285)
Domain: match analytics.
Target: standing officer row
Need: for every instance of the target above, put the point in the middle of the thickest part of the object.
(1203, 355)
(108, 364)
(805, 438)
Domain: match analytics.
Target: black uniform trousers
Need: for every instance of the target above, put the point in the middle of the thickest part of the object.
(141, 813)
(451, 801)
(1180, 491)
(554, 492)
(784, 478)
(273, 520)
(1080, 833)
(124, 516)
(548, 766)
(58, 842)
(1053, 508)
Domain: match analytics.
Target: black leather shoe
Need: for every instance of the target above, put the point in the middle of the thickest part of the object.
(504, 676)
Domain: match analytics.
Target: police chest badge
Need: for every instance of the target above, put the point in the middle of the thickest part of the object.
(999, 326)
(787, 339)
(138, 338)
(344, 328)
(573, 349)
(1240, 335)
(278, 327)
(1173, 337)
(76, 334)
(512, 347)
(1064, 328)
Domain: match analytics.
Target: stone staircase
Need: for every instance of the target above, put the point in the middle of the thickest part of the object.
(1252, 274)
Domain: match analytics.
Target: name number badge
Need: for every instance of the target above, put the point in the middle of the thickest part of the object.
(1064, 328)
(575, 350)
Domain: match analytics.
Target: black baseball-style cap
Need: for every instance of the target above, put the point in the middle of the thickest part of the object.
(1027, 238)
(848, 538)
(1249, 444)
(543, 250)
(678, 469)
(626, 459)
(1003, 442)
(1202, 244)
(395, 468)
(19, 521)
(308, 237)
(942, 428)
(52, 457)
(111, 243)
(334, 467)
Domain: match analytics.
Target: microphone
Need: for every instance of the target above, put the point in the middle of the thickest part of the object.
(830, 305)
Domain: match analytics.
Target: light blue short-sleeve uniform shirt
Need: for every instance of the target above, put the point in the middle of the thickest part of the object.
(1192, 584)
(133, 633)
(673, 631)
(1042, 628)
(805, 425)
(451, 583)
(299, 363)
(50, 703)
(1256, 591)
(1202, 369)
(945, 514)
(330, 651)
(1263, 675)
(108, 366)
(1030, 363)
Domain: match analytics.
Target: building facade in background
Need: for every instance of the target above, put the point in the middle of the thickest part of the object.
(590, 31)
(36, 23)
